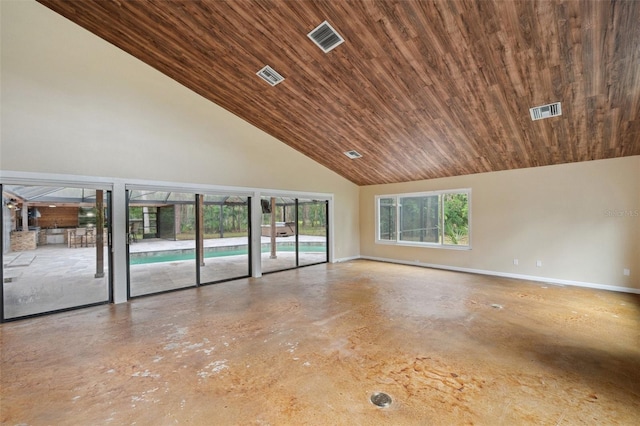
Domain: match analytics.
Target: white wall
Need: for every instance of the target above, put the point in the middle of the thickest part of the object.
(582, 220)
(73, 104)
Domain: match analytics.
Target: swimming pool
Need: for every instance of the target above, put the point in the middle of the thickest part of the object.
(178, 255)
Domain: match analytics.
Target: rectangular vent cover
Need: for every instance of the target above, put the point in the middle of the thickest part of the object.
(270, 75)
(353, 154)
(545, 111)
(325, 37)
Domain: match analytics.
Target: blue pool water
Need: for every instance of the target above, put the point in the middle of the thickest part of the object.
(190, 254)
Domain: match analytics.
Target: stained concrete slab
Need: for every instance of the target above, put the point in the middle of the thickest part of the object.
(312, 345)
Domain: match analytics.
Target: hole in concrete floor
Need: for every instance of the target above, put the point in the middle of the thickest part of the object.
(381, 399)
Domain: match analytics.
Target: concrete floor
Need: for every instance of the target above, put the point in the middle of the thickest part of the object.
(310, 346)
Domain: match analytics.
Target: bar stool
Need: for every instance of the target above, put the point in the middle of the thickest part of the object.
(82, 234)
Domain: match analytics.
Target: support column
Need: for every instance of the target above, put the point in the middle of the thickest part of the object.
(256, 236)
(119, 243)
(25, 217)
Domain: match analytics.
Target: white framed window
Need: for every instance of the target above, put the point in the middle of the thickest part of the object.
(432, 219)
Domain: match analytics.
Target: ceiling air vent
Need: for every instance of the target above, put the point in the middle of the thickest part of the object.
(545, 111)
(325, 37)
(353, 154)
(270, 75)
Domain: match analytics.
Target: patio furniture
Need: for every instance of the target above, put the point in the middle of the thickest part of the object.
(90, 238)
(283, 229)
(133, 231)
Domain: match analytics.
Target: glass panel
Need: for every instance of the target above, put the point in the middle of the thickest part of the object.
(278, 234)
(180, 196)
(312, 230)
(387, 217)
(54, 256)
(419, 219)
(140, 196)
(456, 219)
(225, 224)
(162, 241)
(53, 194)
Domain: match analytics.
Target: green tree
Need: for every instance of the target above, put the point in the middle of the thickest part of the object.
(456, 217)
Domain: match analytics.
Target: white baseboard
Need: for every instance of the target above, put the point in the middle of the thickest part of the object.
(346, 259)
(507, 275)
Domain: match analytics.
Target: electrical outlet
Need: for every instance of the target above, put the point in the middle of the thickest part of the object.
(538, 263)
(515, 261)
(626, 272)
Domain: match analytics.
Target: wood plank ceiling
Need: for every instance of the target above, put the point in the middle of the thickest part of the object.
(422, 89)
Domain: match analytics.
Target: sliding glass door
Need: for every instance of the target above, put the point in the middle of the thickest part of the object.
(161, 241)
(181, 239)
(224, 238)
(55, 249)
(278, 234)
(312, 232)
(294, 233)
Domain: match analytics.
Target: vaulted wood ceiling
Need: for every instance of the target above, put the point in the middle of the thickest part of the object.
(422, 89)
